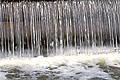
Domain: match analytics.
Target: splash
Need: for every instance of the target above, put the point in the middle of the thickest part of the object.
(83, 66)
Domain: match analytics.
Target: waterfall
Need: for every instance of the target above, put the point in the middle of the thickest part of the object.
(30, 29)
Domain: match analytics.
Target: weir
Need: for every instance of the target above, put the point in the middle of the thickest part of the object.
(59, 39)
(29, 29)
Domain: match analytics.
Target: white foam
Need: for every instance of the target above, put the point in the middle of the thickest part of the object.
(67, 65)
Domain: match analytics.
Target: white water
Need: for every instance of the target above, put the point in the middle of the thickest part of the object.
(81, 67)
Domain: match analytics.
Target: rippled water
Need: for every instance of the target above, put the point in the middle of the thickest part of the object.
(103, 66)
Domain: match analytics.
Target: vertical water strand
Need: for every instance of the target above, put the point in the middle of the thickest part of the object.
(34, 26)
(118, 18)
(19, 24)
(109, 27)
(40, 34)
(115, 23)
(104, 24)
(26, 26)
(46, 27)
(119, 21)
(111, 12)
(31, 28)
(84, 25)
(55, 16)
(51, 27)
(42, 27)
(63, 27)
(94, 25)
(91, 22)
(8, 29)
(3, 32)
(81, 25)
(5, 35)
(11, 28)
(66, 24)
(17, 28)
(35, 29)
(38, 28)
(74, 15)
(101, 24)
(1, 27)
(118, 29)
(70, 25)
(50, 30)
(60, 25)
(97, 23)
(25, 18)
(30, 25)
(4, 29)
(78, 26)
(44, 33)
(20, 12)
(111, 23)
(87, 24)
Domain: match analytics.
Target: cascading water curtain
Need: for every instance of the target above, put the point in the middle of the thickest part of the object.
(49, 28)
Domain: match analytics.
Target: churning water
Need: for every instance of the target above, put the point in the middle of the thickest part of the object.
(81, 39)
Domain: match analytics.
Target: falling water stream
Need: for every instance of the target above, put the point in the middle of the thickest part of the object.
(77, 39)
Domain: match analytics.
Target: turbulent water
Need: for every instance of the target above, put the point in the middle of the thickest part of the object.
(102, 66)
(79, 39)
